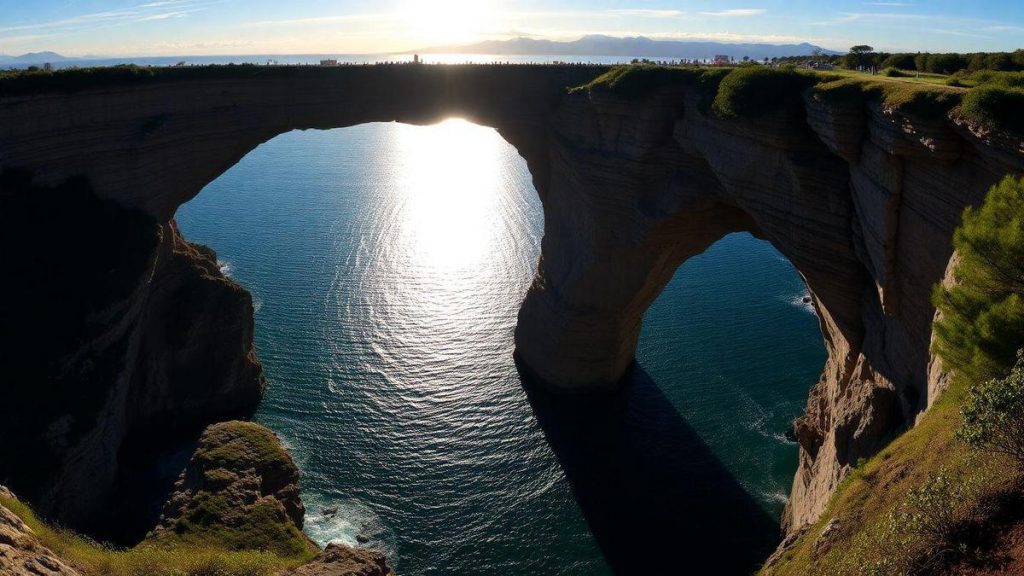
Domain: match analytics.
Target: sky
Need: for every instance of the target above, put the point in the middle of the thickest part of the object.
(214, 27)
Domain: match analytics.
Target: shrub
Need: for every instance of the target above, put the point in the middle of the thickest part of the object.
(996, 106)
(982, 323)
(929, 528)
(894, 73)
(994, 414)
(752, 92)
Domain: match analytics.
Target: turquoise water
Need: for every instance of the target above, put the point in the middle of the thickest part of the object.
(387, 263)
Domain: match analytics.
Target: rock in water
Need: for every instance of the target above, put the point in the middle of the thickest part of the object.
(341, 560)
(240, 488)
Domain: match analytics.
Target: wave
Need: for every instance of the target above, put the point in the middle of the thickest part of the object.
(225, 267)
(757, 418)
(803, 302)
(350, 522)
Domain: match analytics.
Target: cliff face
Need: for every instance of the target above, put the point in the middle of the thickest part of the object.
(122, 339)
(862, 200)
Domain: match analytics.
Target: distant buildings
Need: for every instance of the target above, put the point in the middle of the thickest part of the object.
(721, 60)
(329, 62)
(416, 59)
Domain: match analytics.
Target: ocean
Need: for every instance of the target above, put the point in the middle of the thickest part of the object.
(387, 263)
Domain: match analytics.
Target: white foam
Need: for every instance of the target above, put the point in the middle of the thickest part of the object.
(225, 267)
(803, 302)
(344, 521)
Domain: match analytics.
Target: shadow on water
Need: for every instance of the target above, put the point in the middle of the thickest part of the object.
(654, 496)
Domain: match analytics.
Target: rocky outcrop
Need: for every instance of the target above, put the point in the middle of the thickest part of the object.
(240, 490)
(21, 553)
(861, 198)
(341, 560)
(124, 340)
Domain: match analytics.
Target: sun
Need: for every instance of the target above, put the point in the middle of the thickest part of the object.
(442, 22)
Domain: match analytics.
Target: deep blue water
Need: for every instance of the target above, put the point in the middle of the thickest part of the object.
(387, 263)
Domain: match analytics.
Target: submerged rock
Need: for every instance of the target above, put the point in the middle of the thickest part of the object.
(341, 560)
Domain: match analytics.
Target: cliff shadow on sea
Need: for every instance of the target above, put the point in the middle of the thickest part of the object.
(655, 497)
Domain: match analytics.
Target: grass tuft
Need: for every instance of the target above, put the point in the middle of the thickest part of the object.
(151, 559)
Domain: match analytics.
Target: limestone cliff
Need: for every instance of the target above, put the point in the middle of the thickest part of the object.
(861, 197)
(863, 200)
(122, 340)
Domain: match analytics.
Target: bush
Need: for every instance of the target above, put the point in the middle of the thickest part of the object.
(994, 415)
(996, 106)
(982, 323)
(894, 73)
(752, 92)
(928, 529)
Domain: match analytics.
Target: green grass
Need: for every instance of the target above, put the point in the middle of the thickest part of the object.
(171, 558)
(239, 445)
(640, 79)
(753, 91)
(217, 510)
(920, 99)
(871, 493)
(995, 106)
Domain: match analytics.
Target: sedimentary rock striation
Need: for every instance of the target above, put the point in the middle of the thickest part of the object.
(862, 199)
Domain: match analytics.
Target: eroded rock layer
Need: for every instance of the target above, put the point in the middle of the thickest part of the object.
(863, 200)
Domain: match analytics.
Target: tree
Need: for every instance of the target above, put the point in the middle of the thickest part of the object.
(859, 56)
(994, 414)
(982, 322)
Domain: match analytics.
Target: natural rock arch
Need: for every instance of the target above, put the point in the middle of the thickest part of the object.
(863, 202)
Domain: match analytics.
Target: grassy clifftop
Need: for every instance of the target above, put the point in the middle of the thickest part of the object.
(992, 99)
(868, 527)
(235, 512)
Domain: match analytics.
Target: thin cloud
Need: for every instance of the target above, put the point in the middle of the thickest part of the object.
(139, 13)
(648, 13)
(736, 12)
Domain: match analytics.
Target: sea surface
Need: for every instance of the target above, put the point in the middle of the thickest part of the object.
(387, 263)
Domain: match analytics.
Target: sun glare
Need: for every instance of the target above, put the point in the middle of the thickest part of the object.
(448, 21)
(450, 183)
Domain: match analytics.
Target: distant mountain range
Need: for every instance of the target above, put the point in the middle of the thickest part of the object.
(33, 58)
(638, 46)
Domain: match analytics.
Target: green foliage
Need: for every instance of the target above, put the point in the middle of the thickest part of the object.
(982, 323)
(928, 529)
(263, 526)
(994, 414)
(996, 106)
(637, 80)
(198, 558)
(892, 72)
(925, 100)
(239, 445)
(753, 91)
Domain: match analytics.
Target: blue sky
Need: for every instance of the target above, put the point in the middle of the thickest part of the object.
(189, 27)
